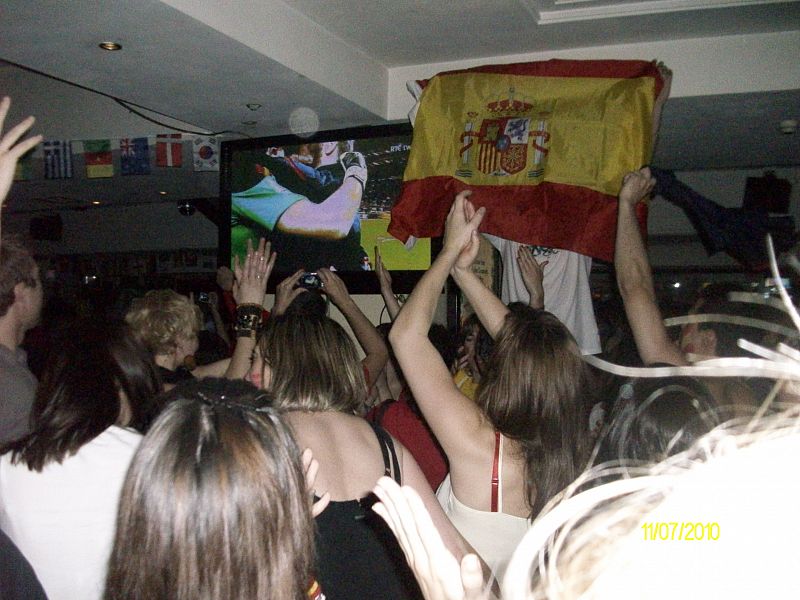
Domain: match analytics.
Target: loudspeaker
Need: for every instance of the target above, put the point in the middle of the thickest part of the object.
(47, 228)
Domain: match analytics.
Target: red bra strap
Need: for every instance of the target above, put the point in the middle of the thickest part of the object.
(496, 472)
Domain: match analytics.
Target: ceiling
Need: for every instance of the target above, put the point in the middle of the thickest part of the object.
(202, 62)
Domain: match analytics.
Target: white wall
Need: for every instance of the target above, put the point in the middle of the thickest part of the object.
(701, 67)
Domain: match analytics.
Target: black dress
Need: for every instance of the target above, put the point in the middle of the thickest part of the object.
(358, 557)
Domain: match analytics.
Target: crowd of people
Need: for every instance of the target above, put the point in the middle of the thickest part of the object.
(432, 464)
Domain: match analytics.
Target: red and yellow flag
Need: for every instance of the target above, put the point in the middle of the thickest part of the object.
(543, 145)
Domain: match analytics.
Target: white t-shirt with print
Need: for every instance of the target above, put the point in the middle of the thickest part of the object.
(566, 288)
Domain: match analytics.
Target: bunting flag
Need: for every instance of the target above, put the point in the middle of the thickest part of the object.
(97, 155)
(57, 159)
(542, 145)
(23, 171)
(169, 150)
(206, 153)
(134, 156)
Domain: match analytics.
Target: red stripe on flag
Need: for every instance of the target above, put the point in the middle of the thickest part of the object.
(169, 153)
(613, 69)
(548, 214)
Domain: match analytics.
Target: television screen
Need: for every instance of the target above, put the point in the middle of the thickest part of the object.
(324, 201)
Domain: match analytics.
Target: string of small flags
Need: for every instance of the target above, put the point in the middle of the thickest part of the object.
(134, 156)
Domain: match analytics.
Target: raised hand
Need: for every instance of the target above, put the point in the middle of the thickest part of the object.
(252, 276)
(10, 149)
(333, 286)
(532, 276)
(461, 230)
(384, 277)
(286, 291)
(636, 185)
(437, 571)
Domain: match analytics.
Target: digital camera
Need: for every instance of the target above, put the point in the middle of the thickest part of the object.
(310, 281)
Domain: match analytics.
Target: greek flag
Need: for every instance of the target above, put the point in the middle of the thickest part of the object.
(57, 159)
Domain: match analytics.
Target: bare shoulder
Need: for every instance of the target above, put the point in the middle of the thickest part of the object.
(346, 448)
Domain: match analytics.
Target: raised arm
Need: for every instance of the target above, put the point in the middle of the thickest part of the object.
(453, 417)
(385, 282)
(249, 291)
(532, 276)
(332, 218)
(635, 278)
(371, 341)
(10, 150)
(490, 309)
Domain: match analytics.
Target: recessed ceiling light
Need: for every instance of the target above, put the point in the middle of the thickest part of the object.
(95, 202)
(163, 193)
(110, 46)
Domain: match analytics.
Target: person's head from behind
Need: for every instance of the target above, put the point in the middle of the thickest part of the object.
(168, 324)
(309, 363)
(21, 293)
(214, 503)
(100, 376)
(655, 418)
(532, 392)
(720, 338)
(310, 302)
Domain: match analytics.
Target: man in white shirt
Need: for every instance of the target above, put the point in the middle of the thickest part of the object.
(566, 287)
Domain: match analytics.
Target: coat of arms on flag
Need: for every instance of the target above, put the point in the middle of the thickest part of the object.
(57, 159)
(495, 141)
(169, 150)
(134, 156)
(206, 153)
(97, 156)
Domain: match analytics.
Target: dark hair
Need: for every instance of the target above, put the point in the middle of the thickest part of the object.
(79, 395)
(728, 334)
(441, 338)
(214, 504)
(311, 302)
(532, 392)
(16, 266)
(484, 343)
(654, 418)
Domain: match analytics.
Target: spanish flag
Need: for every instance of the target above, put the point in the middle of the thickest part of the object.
(542, 145)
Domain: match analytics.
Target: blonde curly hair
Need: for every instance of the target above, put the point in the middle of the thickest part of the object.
(163, 317)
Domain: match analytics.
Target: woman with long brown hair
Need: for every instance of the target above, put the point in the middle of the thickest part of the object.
(521, 441)
(214, 505)
(310, 366)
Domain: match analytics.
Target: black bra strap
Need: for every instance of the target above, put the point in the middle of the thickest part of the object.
(387, 447)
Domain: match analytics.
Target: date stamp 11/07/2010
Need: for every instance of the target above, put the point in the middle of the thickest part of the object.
(681, 531)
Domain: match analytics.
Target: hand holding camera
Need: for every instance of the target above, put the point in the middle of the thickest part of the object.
(310, 281)
(286, 291)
